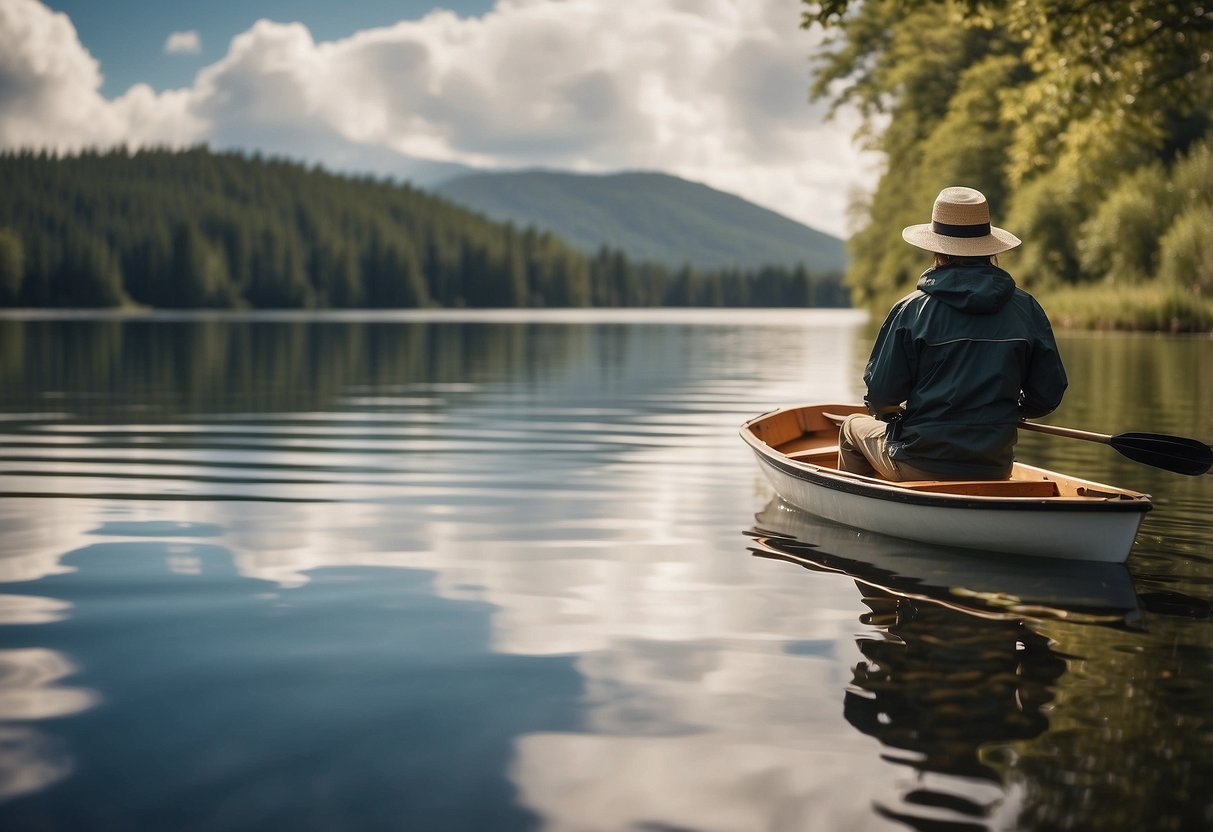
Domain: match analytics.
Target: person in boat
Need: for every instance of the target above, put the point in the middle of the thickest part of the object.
(958, 362)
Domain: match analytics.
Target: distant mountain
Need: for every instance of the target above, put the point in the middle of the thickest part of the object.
(650, 216)
(363, 160)
(342, 156)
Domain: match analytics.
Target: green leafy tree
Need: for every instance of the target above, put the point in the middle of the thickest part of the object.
(1048, 212)
(1120, 240)
(1186, 250)
(904, 67)
(1117, 77)
(1050, 107)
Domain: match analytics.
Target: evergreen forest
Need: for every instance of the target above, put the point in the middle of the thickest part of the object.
(1088, 126)
(197, 229)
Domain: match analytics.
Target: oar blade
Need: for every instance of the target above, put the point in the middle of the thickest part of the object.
(1172, 453)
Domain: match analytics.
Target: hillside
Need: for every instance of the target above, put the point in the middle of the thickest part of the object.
(650, 216)
(201, 229)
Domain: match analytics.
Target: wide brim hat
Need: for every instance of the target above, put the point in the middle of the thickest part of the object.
(960, 226)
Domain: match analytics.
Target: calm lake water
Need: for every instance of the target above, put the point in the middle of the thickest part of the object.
(517, 572)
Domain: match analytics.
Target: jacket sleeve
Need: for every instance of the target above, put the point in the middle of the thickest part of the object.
(1046, 381)
(889, 375)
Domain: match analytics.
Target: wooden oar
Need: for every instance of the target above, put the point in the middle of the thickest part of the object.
(1172, 453)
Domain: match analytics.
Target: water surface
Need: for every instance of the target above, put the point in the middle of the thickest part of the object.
(518, 572)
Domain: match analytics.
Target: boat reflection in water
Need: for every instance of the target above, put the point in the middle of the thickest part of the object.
(954, 667)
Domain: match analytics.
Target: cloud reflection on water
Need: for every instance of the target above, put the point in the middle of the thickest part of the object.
(30, 691)
(596, 508)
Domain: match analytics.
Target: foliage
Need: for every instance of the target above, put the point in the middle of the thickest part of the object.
(1046, 213)
(1073, 117)
(1154, 307)
(1186, 250)
(12, 265)
(196, 229)
(1120, 240)
(200, 270)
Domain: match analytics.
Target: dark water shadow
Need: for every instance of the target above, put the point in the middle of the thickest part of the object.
(954, 664)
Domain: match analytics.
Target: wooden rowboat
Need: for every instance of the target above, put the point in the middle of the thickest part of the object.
(1035, 512)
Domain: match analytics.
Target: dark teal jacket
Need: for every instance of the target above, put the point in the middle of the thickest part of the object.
(968, 354)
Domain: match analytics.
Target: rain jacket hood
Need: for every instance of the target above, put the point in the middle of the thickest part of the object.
(978, 290)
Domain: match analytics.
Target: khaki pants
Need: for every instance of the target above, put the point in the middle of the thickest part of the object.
(862, 450)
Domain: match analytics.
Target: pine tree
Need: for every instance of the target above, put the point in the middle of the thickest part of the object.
(12, 267)
(199, 272)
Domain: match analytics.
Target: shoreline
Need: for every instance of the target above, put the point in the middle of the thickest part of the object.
(607, 315)
(1142, 310)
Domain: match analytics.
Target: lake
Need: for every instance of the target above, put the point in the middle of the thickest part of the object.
(517, 571)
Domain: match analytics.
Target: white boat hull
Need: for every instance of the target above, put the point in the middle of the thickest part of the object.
(1079, 534)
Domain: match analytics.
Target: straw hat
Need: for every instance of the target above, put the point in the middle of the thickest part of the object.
(960, 225)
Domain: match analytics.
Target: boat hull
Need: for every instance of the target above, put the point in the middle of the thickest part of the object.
(1065, 526)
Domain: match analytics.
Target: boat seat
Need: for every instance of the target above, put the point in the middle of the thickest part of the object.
(821, 450)
(985, 488)
(826, 456)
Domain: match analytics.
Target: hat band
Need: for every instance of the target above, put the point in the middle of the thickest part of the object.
(947, 230)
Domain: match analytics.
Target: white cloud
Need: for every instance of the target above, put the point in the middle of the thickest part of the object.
(183, 43)
(48, 82)
(711, 90)
(50, 91)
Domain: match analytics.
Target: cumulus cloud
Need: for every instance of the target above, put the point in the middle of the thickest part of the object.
(711, 90)
(48, 83)
(183, 43)
(50, 91)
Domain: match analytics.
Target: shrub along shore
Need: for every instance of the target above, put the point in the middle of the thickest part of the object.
(1145, 308)
(1133, 308)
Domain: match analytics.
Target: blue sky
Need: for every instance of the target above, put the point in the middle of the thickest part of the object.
(128, 36)
(714, 91)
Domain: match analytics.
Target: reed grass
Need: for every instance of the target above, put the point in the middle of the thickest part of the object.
(1147, 308)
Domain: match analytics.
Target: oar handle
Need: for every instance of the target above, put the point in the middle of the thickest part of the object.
(1073, 433)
